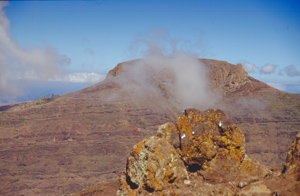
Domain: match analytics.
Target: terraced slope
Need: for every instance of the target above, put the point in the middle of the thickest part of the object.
(60, 145)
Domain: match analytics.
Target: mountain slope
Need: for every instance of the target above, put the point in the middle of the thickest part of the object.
(60, 145)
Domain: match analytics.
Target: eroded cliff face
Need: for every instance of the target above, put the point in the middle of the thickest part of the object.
(203, 154)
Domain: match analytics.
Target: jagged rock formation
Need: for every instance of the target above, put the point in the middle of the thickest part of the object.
(204, 154)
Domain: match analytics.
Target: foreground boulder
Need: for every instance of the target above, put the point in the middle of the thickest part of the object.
(152, 165)
(211, 144)
(203, 154)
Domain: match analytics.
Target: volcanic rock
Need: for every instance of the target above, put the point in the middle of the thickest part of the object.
(292, 166)
(211, 143)
(152, 165)
(211, 152)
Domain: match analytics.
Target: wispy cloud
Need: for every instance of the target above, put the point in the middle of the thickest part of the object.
(83, 77)
(89, 51)
(182, 73)
(17, 62)
(291, 71)
(249, 67)
(267, 69)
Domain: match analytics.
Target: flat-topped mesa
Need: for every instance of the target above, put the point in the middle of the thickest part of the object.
(201, 146)
(224, 77)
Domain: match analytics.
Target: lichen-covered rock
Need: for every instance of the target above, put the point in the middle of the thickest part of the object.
(251, 171)
(152, 165)
(170, 133)
(292, 166)
(204, 154)
(211, 144)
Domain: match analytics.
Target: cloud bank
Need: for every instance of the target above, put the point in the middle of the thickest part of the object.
(19, 63)
(267, 69)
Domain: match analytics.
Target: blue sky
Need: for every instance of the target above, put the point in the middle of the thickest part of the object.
(75, 43)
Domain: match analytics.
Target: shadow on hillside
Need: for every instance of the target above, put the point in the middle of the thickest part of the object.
(5, 107)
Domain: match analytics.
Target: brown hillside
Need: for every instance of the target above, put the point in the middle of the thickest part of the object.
(60, 145)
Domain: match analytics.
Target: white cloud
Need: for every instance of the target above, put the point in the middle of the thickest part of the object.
(267, 69)
(17, 62)
(249, 67)
(182, 73)
(291, 71)
(83, 77)
(277, 86)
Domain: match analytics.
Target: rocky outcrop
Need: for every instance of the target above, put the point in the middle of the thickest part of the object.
(203, 154)
(211, 144)
(152, 165)
(292, 165)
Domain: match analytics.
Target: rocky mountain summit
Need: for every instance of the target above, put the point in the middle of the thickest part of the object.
(204, 154)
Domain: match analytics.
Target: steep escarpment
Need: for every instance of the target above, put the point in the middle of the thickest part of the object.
(233, 79)
(204, 154)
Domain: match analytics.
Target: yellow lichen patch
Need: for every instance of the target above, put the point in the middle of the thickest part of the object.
(247, 166)
(236, 154)
(157, 152)
(126, 188)
(154, 181)
(125, 185)
(150, 171)
(183, 124)
(224, 140)
(138, 147)
(168, 175)
(132, 192)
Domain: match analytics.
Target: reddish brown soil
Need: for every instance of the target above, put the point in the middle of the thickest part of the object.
(62, 145)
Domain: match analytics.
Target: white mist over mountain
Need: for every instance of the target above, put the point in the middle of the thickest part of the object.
(180, 71)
